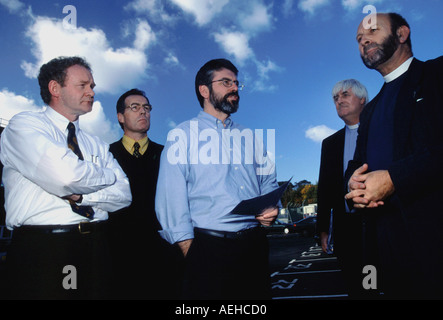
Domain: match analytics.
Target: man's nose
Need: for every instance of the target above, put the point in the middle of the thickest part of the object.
(365, 40)
(90, 92)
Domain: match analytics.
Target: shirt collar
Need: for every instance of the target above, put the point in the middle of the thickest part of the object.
(399, 71)
(217, 122)
(128, 143)
(60, 121)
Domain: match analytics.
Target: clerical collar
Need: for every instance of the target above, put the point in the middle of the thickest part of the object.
(354, 126)
(399, 71)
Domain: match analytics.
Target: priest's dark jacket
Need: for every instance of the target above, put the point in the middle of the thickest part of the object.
(408, 229)
(346, 227)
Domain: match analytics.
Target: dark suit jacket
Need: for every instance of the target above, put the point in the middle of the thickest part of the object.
(330, 193)
(330, 196)
(409, 227)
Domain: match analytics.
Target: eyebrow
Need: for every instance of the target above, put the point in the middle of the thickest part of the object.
(338, 94)
(222, 79)
(140, 104)
(87, 82)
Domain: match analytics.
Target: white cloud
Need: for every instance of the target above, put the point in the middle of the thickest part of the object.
(310, 6)
(202, 10)
(144, 36)
(318, 133)
(96, 123)
(113, 69)
(11, 104)
(153, 8)
(13, 6)
(287, 7)
(231, 26)
(171, 60)
(357, 4)
(236, 44)
(263, 70)
(258, 19)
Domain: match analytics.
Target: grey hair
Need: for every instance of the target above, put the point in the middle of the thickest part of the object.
(357, 88)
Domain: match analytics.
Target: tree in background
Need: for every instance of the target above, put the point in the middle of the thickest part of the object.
(298, 194)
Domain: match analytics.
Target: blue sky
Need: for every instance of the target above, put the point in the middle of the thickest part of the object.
(290, 53)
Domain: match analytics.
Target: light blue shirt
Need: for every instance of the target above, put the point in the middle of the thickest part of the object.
(201, 177)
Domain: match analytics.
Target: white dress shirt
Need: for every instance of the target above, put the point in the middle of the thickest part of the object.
(40, 169)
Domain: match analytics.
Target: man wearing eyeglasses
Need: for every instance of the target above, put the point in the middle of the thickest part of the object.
(226, 254)
(142, 258)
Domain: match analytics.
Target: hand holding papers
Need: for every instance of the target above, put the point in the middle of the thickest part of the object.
(256, 205)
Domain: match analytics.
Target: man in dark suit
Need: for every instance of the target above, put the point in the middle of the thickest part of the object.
(395, 175)
(350, 97)
(145, 263)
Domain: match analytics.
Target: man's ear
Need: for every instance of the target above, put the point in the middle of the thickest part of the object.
(120, 117)
(403, 34)
(54, 88)
(204, 91)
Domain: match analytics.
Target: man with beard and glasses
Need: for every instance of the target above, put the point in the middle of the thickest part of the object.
(226, 254)
(395, 176)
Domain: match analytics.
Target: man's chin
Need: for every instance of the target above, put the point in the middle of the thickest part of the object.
(228, 111)
(369, 63)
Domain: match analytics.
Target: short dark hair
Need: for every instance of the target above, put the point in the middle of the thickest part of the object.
(121, 107)
(56, 70)
(205, 74)
(396, 22)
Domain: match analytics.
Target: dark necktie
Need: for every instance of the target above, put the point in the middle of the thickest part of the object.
(137, 153)
(85, 211)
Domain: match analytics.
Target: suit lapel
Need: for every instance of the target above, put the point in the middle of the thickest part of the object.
(336, 154)
(404, 107)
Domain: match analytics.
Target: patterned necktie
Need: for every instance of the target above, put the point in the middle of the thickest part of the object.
(85, 211)
(137, 153)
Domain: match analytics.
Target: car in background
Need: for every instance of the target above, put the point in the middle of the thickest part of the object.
(306, 227)
(279, 227)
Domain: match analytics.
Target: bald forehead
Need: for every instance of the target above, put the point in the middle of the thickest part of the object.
(381, 18)
(382, 21)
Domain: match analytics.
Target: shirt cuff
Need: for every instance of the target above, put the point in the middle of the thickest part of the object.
(178, 234)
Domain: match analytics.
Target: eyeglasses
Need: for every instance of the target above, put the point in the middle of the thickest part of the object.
(228, 83)
(135, 107)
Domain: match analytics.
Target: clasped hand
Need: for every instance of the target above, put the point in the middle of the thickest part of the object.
(369, 189)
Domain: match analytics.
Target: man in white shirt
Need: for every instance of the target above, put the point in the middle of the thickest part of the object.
(57, 251)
